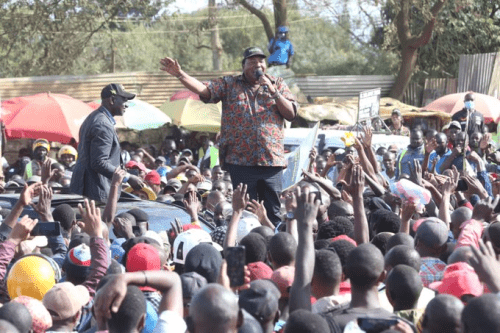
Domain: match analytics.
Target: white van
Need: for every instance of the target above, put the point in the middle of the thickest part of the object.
(332, 139)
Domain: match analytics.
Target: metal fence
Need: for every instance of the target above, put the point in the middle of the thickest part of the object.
(475, 73)
(343, 86)
(152, 87)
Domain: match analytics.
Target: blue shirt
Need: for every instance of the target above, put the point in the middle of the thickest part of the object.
(110, 116)
(406, 158)
(281, 52)
(440, 159)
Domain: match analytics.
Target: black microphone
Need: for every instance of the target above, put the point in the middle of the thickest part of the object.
(258, 74)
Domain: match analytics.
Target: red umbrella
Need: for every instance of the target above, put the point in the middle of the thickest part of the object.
(489, 106)
(49, 116)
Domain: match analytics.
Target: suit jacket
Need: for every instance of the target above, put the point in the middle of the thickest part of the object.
(98, 157)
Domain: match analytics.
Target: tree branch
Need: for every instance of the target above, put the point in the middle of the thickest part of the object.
(260, 14)
(426, 34)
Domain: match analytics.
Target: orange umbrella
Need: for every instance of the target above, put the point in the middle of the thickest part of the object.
(54, 117)
(489, 106)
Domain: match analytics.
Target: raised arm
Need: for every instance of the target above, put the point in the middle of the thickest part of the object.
(324, 183)
(110, 210)
(307, 209)
(356, 187)
(111, 295)
(367, 143)
(92, 225)
(240, 200)
(172, 67)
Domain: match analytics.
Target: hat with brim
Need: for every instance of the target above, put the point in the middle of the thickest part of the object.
(116, 89)
(252, 52)
(151, 195)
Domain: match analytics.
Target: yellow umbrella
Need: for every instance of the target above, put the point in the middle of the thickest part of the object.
(186, 110)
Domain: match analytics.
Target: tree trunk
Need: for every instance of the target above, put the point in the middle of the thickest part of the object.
(214, 36)
(408, 61)
(280, 14)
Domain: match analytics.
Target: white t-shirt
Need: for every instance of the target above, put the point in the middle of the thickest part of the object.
(170, 322)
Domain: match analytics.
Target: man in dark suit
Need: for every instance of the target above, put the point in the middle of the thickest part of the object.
(99, 149)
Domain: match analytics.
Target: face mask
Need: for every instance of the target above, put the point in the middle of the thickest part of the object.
(469, 105)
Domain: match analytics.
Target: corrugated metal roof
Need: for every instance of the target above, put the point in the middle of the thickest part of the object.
(344, 86)
(152, 87)
(475, 71)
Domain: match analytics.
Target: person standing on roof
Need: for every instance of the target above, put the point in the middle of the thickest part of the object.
(254, 108)
(280, 49)
(41, 148)
(99, 149)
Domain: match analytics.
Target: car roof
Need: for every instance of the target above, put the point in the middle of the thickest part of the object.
(160, 214)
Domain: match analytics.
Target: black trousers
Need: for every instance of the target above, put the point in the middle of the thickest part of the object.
(263, 183)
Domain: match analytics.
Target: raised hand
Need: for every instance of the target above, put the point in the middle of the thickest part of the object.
(192, 204)
(29, 192)
(367, 140)
(258, 209)
(118, 176)
(484, 141)
(91, 216)
(171, 66)
(240, 197)
(484, 209)
(485, 263)
(416, 173)
(307, 206)
(47, 173)
(44, 203)
(22, 229)
(430, 145)
(109, 298)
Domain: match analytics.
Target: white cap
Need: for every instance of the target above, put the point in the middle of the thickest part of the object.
(187, 240)
(245, 225)
(154, 236)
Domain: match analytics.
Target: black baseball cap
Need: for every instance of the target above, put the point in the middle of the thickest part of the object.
(116, 89)
(253, 51)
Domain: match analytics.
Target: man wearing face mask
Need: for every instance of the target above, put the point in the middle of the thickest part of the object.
(476, 119)
(41, 148)
(254, 108)
(281, 49)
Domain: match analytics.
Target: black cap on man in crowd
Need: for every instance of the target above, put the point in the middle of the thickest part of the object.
(116, 89)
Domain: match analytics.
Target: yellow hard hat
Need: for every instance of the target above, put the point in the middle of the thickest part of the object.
(41, 143)
(32, 275)
(67, 150)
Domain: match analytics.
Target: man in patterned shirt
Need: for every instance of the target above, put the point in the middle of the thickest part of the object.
(430, 243)
(254, 108)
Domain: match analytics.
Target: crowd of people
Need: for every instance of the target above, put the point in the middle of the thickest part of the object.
(382, 240)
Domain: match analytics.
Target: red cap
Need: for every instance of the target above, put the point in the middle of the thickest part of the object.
(459, 279)
(259, 271)
(283, 277)
(143, 257)
(134, 164)
(344, 237)
(153, 177)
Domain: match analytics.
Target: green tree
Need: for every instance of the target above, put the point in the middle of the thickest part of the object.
(462, 30)
(46, 37)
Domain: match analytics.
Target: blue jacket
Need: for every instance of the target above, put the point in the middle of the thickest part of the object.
(98, 157)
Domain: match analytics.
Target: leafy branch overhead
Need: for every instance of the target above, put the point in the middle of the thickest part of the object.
(45, 37)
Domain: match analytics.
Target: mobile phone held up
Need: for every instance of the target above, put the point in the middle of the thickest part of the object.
(46, 229)
(235, 258)
(376, 325)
